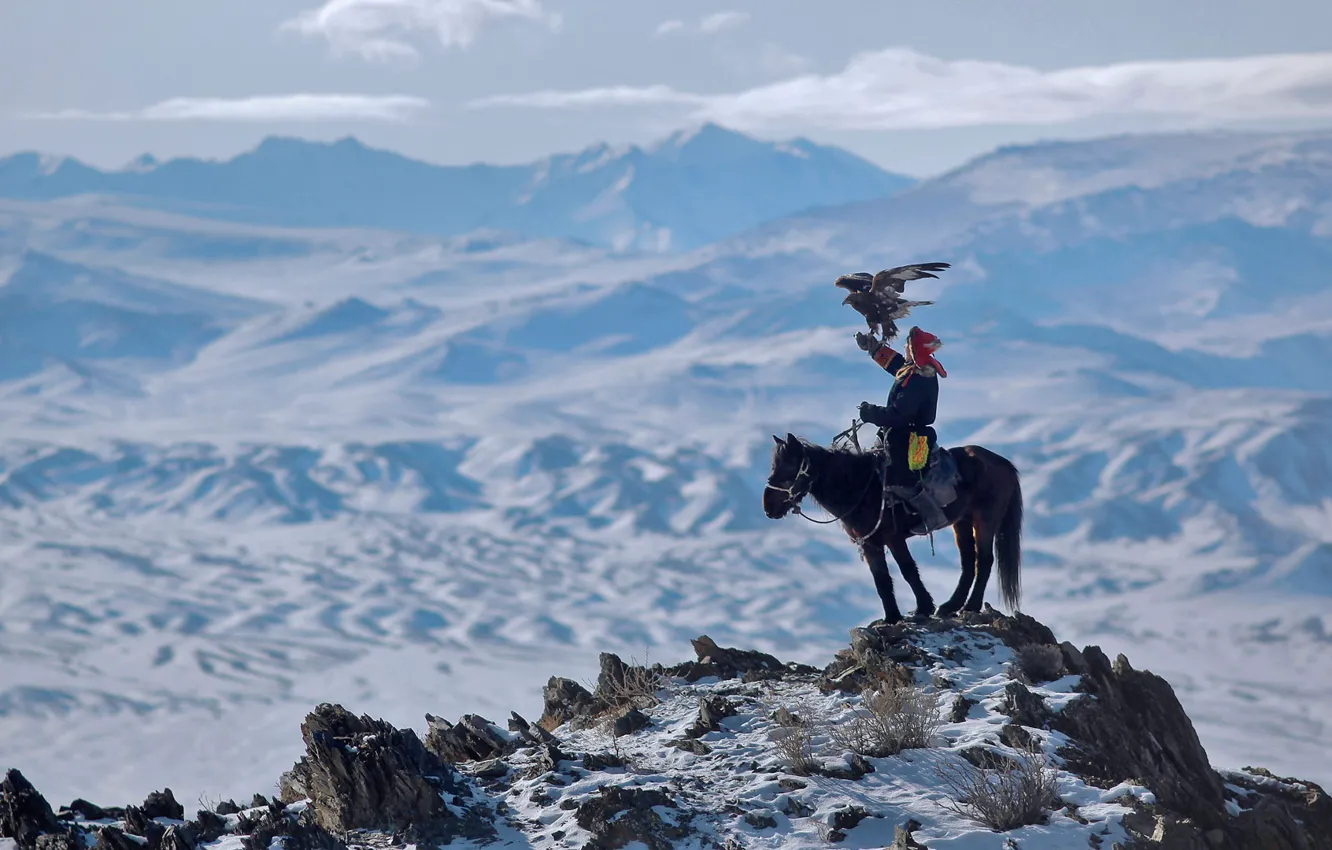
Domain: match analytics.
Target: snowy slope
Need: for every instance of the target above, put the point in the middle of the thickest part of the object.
(684, 191)
(250, 468)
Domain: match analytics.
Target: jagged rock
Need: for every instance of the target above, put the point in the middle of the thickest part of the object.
(601, 761)
(761, 820)
(138, 823)
(844, 820)
(1018, 630)
(1016, 736)
(712, 710)
(179, 838)
(531, 733)
(629, 722)
(472, 738)
(746, 664)
(24, 813)
(565, 700)
(162, 804)
(70, 838)
(111, 838)
(690, 745)
(361, 773)
(986, 759)
(1134, 729)
(961, 708)
(228, 807)
(547, 760)
(620, 815)
(258, 801)
(855, 768)
(83, 809)
(903, 839)
(1025, 707)
(210, 825)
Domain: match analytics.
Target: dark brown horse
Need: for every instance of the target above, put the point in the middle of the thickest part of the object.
(986, 518)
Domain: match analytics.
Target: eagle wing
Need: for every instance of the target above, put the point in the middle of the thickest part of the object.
(896, 278)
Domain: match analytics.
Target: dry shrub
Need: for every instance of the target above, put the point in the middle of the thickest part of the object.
(635, 686)
(893, 718)
(1021, 790)
(1041, 662)
(794, 738)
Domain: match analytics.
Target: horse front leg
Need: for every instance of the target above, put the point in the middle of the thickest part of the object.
(966, 548)
(872, 552)
(907, 564)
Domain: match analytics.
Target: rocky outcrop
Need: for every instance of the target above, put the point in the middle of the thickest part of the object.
(364, 783)
(25, 815)
(1134, 729)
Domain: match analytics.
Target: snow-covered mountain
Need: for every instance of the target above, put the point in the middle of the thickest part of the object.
(247, 468)
(689, 189)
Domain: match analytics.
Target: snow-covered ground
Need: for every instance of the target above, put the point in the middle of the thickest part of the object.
(247, 469)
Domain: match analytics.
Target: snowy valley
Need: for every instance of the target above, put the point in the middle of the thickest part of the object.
(248, 468)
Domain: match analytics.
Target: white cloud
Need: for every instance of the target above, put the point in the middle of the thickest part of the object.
(707, 25)
(380, 29)
(899, 88)
(668, 27)
(719, 21)
(289, 107)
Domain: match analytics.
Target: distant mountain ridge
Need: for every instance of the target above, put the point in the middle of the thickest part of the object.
(692, 188)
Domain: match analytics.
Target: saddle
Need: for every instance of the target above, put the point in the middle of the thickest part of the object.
(933, 494)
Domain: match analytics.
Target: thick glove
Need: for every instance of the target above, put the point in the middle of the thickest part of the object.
(873, 414)
(867, 343)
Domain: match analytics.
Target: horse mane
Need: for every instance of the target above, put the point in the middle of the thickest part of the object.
(841, 469)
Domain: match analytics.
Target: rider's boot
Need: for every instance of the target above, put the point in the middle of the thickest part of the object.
(932, 516)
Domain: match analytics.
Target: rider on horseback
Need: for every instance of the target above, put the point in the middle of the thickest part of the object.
(904, 423)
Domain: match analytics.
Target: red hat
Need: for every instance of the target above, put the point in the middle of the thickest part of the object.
(920, 348)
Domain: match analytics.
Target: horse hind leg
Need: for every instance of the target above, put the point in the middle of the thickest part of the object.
(966, 548)
(910, 572)
(883, 581)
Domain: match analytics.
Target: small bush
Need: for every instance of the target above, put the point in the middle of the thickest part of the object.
(633, 686)
(893, 718)
(1040, 663)
(1019, 791)
(794, 738)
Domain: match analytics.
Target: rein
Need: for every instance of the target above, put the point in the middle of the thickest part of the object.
(795, 500)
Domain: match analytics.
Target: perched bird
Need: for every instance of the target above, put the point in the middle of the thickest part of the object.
(876, 297)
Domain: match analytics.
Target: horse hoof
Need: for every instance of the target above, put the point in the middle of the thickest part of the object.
(886, 621)
(946, 612)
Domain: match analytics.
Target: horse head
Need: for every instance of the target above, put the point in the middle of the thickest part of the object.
(790, 479)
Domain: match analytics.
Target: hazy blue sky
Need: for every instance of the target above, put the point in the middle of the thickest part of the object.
(915, 86)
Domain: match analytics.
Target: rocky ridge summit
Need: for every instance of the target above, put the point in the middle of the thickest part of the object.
(973, 733)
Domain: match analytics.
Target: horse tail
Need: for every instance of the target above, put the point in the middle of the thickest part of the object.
(1008, 548)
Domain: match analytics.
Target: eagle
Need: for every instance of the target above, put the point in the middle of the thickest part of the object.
(876, 297)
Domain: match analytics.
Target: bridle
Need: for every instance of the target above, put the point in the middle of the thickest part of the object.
(795, 495)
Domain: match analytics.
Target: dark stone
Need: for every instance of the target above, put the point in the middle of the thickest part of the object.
(111, 838)
(903, 839)
(1017, 737)
(855, 768)
(724, 663)
(601, 761)
(70, 838)
(259, 801)
(848, 818)
(690, 745)
(24, 813)
(761, 820)
(362, 773)
(712, 710)
(472, 738)
(1025, 707)
(138, 823)
(87, 811)
(1135, 729)
(228, 807)
(961, 708)
(179, 838)
(629, 722)
(162, 804)
(786, 783)
(531, 733)
(1040, 662)
(620, 815)
(565, 700)
(211, 826)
